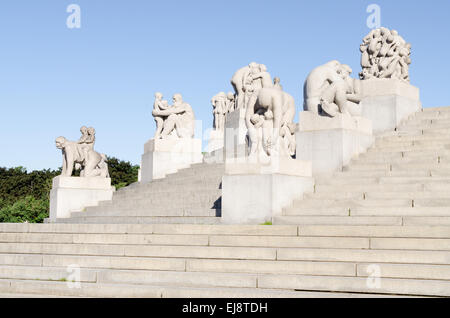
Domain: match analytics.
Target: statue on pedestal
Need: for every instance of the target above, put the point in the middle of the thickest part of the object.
(175, 121)
(385, 54)
(246, 80)
(329, 90)
(270, 123)
(269, 114)
(220, 110)
(81, 155)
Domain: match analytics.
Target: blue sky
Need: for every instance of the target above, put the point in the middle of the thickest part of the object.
(54, 79)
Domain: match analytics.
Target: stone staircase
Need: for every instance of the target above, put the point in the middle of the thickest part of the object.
(192, 195)
(404, 179)
(182, 260)
(381, 227)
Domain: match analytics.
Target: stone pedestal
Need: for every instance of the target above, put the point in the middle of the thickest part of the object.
(165, 156)
(387, 102)
(253, 193)
(70, 194)
(235, 139)
(216, 139)
(330, 143)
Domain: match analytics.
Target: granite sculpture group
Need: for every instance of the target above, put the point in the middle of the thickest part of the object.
(175, 121)
(269, 111)
(223, 104)
(385, 54)
(82, 156)
(281, 156)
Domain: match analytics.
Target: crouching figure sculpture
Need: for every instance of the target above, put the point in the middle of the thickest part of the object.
(81, 155)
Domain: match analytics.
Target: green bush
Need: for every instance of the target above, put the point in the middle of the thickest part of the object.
(28, 209)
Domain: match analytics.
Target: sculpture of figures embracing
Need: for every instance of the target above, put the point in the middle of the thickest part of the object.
(175, 121)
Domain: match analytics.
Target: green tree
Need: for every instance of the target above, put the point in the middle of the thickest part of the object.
(28, 209)
(122, 173)
(17, 183)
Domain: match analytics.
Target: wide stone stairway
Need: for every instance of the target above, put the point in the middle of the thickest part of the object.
(192, 195)
(404, 179)
(381, 227)
(156, 260)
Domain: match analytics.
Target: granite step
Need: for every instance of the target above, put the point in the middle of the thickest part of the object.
(122, 230)
(359, 284)
(160, 251)
(363, 167)
(199, 211)
(163, 197)
(142, 220)
(171, 229)
(158, 207)
(421, 198)
(361, 220)
(384, 180)
(59, 289)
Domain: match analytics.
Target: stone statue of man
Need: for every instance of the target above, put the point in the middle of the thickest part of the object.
(317, 81)
(220, 110)
(342, 96)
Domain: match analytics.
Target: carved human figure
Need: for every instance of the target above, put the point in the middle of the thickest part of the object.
(287, 133)
(342, 96)
(93, 163)
(231, 102)
(330, 90)
(254, 81)
(86, 141)
(257, 79)
(317, 82)
(245, 86)
(91, 137)
(237, 81)
(220, 110)
(405, 61)
(102, 167)
(159, 105)
(365, 59)
(84, 135)
(180, 120)
(268, 121)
